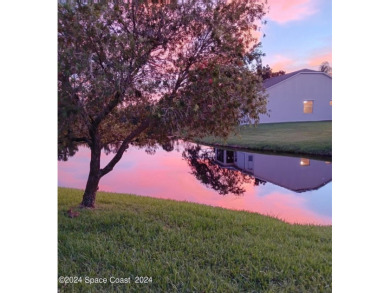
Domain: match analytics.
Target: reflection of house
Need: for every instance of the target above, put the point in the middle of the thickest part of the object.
(296, 174)
(304, 95)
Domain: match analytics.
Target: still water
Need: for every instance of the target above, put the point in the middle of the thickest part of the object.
(293, 189)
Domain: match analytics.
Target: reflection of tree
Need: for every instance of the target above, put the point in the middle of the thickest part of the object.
(168, 145)
(221, 179)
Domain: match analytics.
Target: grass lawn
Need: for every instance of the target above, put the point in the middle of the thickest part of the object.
(186, 247)
(311, 138)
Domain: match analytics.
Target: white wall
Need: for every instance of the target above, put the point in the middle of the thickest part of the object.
(286, 98)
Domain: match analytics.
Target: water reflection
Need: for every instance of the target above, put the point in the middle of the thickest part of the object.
(273, 185)
(295, 174)
(203, 166)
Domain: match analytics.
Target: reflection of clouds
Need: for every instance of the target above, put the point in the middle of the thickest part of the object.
(167, 175)
(288, 207)
(318, 203)
(161, 182)
(321, 200)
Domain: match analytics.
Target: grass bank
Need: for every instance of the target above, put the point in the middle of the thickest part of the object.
(310, 138)
(187, 247)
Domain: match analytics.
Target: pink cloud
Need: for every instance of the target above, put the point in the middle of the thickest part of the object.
(290, 63)
(283, 11)
(318, 58)
(281, 62)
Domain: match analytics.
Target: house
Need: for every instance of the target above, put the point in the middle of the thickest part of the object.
(293, 173)
(303, 95)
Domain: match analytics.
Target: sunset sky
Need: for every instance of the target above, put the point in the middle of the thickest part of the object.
(298, 34)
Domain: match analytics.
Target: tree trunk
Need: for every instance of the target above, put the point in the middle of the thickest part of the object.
(95, 173)
(93, 178)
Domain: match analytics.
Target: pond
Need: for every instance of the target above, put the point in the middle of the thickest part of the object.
(293, 189)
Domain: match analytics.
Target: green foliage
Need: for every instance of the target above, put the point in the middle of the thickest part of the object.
(138, 73)
(188, 247)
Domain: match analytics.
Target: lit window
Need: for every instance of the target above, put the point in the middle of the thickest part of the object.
(330, 103)
(307, 107)
(305, 162)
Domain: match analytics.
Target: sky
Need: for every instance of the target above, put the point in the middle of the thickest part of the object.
(298, 34)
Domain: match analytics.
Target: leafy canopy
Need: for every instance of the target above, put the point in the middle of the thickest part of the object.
(141, 73)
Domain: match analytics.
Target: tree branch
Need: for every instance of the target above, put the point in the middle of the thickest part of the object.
(111, 105)
(124, 146)
(78, 139)
(82, 139)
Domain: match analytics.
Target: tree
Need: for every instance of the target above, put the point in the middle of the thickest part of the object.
(325, 67)
(266, 72)
(138, 73)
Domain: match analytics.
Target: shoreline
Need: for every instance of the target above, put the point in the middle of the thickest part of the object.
(194, 204)
(309, 155)
(309, 139)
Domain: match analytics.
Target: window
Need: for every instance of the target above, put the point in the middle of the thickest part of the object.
(250, 163)
(220, 155)
(330, 103)
(308, 107)
(305, 162)
(229, 157)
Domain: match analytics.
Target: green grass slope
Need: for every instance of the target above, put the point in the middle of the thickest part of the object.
(186, 247)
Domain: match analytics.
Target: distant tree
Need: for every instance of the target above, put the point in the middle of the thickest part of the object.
(266, 72)
(138, 73)
(325, 67)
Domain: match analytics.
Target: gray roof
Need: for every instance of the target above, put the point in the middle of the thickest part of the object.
(274, 80)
